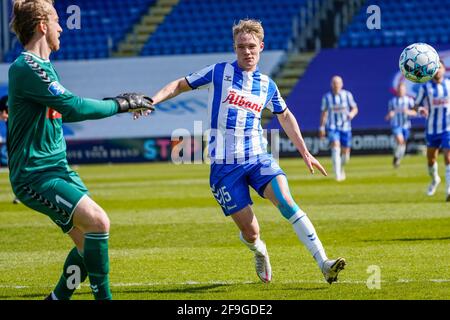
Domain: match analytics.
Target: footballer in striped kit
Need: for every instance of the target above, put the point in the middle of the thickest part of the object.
(238, 92)
(338, 110)
(433, 102)
(400, 109)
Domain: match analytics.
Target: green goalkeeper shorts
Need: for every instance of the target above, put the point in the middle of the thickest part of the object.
(54, 194)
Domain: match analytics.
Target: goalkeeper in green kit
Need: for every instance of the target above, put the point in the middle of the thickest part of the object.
(39, 172)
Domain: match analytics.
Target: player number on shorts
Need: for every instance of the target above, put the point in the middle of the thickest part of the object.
(63, 201)
(222, 195)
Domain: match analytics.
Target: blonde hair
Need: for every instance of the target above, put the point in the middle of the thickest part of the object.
(27, 14)
(251, 26)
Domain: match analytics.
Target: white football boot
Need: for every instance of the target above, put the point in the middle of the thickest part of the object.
(331, 269)
(263, 267)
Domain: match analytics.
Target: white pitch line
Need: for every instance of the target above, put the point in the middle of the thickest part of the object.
(154, 284)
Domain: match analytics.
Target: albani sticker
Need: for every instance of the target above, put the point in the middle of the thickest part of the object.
(56, 88)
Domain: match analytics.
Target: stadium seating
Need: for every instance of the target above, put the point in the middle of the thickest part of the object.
(103, 25)
(402, 23)
(205, 26)
(200, 26)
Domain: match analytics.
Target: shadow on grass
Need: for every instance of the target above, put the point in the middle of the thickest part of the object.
(213, 288)
(408, 239)
(23, 296)
(188, 289)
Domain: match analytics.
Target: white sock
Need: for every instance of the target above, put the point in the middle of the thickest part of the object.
(402, 150)
(447, 177)
(307, 235)
(345, 158)
(336, 159)
(396, 150)
(258, 246)
(433, 171)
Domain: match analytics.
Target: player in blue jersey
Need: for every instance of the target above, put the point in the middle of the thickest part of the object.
(433, 102)
(400, 108)
(338, 110)
(238, 92)
(4, 117)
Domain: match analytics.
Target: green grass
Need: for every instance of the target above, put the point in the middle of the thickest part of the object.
(170, 240)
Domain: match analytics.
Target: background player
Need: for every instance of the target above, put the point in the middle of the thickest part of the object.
(39, 172)
(400, 109)
(4, 117)
(4, 131)
(237, 94)
(433, 102)
(338, 110)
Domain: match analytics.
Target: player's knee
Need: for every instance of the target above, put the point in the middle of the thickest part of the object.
(287, 206)
(96, 220)
(101, 223)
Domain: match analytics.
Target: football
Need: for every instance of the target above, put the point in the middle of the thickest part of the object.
(419, 62)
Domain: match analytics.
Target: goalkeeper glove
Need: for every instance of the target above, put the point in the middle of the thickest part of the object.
(132, 102)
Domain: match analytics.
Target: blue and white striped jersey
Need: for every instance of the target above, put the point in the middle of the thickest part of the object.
(338, 107)
(436, 96)
(400, 105)
(235, 101)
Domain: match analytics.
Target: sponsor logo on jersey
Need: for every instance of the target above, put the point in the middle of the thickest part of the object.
(236, 99)
(56, 88)
(441, 101)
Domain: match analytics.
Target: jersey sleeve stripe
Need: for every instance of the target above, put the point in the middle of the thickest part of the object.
(37, 69)
(198, 79)
(189, 84)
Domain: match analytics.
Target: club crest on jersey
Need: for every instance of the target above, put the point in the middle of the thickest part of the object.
(238, 100)
(56, 88)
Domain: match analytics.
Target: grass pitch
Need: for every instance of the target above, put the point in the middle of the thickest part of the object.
(170, 240)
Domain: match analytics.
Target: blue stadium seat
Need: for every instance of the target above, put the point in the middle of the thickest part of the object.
(211, 20)
(99, 20)
(401, 24)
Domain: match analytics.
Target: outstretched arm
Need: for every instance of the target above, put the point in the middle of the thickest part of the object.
(47, 91)
(290, 126)
(170, 91)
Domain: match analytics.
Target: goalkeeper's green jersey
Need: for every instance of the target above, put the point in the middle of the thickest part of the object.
(38, 105)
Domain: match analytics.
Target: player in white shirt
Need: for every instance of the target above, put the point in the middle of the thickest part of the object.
(433, 102)
(400, 109)
(238, 93)
(338, 110)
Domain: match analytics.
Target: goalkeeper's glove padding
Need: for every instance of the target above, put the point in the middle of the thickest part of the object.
(132, 102)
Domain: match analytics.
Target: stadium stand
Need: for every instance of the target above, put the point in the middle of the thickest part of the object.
(200, 26)
(401, 24)
(103, 25)
(204, 26)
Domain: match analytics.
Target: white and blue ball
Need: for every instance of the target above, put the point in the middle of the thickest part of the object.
(419, 62)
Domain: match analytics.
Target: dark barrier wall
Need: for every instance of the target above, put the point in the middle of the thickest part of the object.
(193, 149)
(369, 73)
